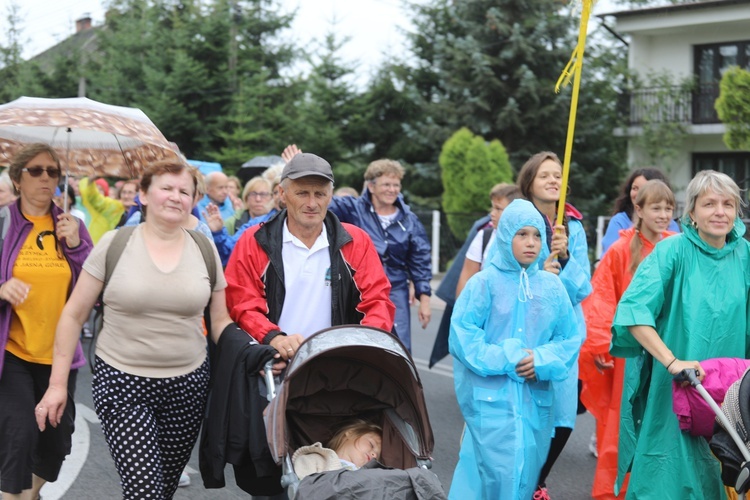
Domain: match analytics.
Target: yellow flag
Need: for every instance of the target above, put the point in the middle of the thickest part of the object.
(572, 71)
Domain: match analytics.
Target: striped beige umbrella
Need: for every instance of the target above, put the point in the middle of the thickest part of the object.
(91, 138)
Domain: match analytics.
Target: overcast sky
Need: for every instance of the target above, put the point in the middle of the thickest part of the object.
(372, 25)
(375, 27)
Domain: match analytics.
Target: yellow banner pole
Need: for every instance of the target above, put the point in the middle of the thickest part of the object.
(572, 69)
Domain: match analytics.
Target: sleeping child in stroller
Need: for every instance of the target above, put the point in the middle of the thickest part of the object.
(355, 444)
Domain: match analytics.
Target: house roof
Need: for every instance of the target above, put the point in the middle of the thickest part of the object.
(668, 9)
(84, 41)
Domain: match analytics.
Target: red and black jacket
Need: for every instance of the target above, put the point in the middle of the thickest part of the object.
(255, 279)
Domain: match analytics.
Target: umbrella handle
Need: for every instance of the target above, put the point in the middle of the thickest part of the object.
(67, 173)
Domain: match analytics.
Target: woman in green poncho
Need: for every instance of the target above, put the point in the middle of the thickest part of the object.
(687, 302)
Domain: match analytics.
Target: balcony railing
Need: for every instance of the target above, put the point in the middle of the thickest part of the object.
(671, 105)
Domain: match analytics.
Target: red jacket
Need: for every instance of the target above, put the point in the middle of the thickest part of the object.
(602, 390)
(255, 279)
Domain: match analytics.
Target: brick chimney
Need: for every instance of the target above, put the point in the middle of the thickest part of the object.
(83, 23)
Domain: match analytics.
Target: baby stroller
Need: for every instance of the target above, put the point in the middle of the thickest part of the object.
(341, 373)
(731, 440)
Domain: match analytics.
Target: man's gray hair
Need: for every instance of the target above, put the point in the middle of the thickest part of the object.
(711, 180)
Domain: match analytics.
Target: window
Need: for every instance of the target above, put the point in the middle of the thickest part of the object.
(735, 165)
(710, 63)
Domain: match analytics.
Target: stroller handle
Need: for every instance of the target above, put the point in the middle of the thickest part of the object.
(688, 375)
(270, 382)
(691, 375)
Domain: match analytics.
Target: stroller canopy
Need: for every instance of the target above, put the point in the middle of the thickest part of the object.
(345, 372)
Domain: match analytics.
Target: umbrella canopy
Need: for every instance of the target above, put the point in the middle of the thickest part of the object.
(256, 166)
(91, 138)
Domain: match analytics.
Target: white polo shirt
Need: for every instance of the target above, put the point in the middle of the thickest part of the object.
(307, 278)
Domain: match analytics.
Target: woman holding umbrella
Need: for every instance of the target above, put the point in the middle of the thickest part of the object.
(41, 259)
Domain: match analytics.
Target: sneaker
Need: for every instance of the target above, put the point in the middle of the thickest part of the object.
(541, 494)
(592, 445)
(184, 480)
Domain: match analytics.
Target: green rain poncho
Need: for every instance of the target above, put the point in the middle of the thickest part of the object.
(696, 297)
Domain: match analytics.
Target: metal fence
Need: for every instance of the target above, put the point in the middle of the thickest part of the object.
(435, 223)
(675, 104)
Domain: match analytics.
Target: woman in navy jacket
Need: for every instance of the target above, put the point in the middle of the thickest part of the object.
(399, 238)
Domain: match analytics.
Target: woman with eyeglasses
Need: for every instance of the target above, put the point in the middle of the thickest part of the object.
(43, 250)
(399, 237)
(257, 199)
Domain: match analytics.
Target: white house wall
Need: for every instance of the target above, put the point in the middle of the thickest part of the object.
(732, 17)
(673, 52)
(663, 43)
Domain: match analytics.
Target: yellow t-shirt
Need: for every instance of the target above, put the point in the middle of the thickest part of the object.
(42, 265)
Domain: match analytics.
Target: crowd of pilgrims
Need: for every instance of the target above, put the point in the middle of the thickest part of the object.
(536, 337)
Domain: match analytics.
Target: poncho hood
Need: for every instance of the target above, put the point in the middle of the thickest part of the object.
(733, 238)
(520, 213)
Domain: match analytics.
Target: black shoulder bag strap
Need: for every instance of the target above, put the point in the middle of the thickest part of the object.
(486, 236)
(114, 252)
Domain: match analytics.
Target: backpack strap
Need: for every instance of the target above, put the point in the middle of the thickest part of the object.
(114, 252)
(207, 249)
(486, 236)
(208, 255)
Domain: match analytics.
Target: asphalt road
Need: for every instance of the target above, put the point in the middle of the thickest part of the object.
(90, 474)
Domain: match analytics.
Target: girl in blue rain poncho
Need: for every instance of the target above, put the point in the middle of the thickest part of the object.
(513, 330)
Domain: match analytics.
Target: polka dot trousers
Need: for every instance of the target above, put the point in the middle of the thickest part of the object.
(151, 426)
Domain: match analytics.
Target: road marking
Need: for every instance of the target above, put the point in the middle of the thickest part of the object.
(439, 369)
(79, 451)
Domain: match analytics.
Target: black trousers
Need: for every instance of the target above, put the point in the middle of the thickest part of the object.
(23, 449)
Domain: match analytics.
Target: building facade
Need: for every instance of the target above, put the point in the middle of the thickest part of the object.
(678, 53)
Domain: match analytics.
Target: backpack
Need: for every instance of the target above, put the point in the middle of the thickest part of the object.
(114, 252)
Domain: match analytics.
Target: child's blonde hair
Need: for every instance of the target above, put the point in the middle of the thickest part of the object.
(354, 430)
(654, 191)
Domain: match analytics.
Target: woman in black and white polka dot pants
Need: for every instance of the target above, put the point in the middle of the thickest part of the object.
(150, 425)
(151, 376)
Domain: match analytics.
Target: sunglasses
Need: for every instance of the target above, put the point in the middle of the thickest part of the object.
(52, 172)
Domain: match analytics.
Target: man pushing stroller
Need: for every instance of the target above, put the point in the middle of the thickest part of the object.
(303, 270)
(300, 272)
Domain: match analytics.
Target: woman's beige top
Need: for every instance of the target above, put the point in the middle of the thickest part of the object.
(153, 319)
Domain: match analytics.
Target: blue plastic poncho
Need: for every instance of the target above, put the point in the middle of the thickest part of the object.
(696, 298)
(503, 310)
